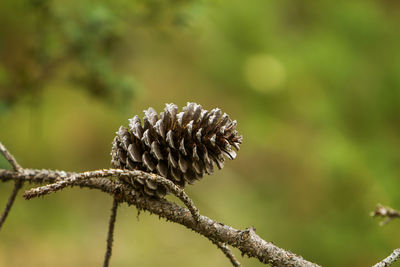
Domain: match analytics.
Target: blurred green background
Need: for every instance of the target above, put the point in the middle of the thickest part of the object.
(314, 86)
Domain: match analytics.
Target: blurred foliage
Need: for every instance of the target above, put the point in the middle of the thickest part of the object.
(73, 41)
(314, 87)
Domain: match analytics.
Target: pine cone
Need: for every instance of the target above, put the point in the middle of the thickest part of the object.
(181, 147)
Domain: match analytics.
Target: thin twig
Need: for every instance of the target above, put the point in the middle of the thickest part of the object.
(389, 260)
(110, 236)
(387, 213)
(17, 186)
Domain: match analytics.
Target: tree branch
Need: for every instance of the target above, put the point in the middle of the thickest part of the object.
(247, 241)
(389, 260)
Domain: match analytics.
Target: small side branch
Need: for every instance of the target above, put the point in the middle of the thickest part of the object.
(387, 213)
(17, 186)
(110, 236)
(228, 252)
(10, 202)
(390, 259)
(7, 155)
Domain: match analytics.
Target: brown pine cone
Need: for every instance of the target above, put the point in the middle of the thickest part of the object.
(181, 147)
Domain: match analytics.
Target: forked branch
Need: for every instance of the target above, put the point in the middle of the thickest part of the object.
(247, 241)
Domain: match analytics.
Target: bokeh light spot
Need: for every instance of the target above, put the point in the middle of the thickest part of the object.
(264, 73)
